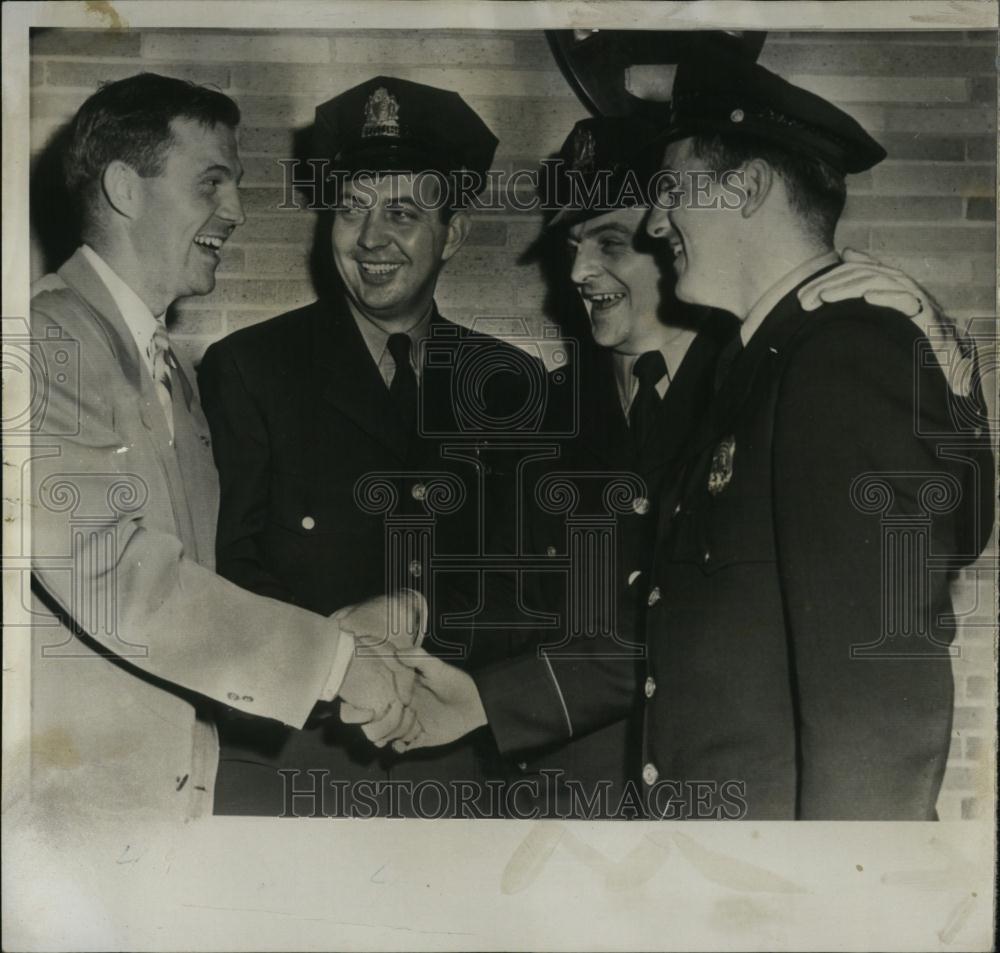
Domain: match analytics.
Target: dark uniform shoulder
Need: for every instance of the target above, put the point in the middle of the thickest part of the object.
(267, 334)
(264, 349)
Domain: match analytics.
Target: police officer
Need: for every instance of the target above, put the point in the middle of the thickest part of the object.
(328, 425)
(709, 683)
(798, 637)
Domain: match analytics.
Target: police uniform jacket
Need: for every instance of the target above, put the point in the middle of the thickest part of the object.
(798, 617)
(592, 504)
(314, 465)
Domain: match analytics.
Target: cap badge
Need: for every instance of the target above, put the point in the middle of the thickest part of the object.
(721, 471)
(584, 148)
(381, 115)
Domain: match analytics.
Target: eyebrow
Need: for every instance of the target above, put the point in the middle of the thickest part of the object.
(402, 200)
(220, 167)
(607, 227)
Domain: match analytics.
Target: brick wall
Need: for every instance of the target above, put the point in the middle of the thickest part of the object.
(930, 98)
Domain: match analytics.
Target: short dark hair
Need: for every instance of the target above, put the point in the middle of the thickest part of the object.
(129, 120)
(816, 190)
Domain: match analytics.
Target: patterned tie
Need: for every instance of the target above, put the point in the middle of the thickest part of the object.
(649, 369)
(162, 358)
(403, 389)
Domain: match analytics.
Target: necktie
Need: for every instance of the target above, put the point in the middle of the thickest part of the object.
(163, 361)
(649, 369)
(403, 389)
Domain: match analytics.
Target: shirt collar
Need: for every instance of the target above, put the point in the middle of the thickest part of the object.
(137, 317)
(767, 301)
(673, 350)
(376, 338)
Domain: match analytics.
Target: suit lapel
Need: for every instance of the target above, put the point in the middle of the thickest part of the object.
(348, 378)
(685, 402)
(84, 281)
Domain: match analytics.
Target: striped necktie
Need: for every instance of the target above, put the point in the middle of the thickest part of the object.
(163, 362)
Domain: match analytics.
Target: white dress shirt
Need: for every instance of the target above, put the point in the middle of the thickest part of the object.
(138, 319)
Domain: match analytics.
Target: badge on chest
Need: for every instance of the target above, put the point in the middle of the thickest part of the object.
(721, 470)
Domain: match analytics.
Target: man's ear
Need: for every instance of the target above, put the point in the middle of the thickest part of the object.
(120, 184)
(758, 180)
(459, 226)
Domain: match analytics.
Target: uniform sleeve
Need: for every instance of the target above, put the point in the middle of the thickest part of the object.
(127, 585)
(851, 457)
(242, 457)
(534, 700)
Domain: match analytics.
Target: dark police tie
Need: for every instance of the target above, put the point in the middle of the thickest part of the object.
(403, 389)
(649, 369)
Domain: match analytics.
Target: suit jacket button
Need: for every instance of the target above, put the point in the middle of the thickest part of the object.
(550, 550)
(641, 505)
(419, 491)
(650, 687)
(650, 774)
(416, 569)
(308, 522)
(654, 596)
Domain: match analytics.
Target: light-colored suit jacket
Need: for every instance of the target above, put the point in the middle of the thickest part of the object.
(136, 639)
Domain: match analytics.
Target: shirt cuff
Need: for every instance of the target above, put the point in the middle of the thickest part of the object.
(421, 600)
(341, 662)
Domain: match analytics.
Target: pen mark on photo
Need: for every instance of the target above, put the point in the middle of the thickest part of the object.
(729, 872)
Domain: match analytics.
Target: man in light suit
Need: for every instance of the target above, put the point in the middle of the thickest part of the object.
(136, 639)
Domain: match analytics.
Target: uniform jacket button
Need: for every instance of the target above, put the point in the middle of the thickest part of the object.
(706, 556)
(416, 569)
(677, 509)
(650, 774)
(650, 687)
(654, 596)
(308, 522)
(522, 766)
(641, 505)
(550, 550)
(419, 491)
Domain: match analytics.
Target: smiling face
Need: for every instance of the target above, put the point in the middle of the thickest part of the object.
(188, 211)
(618, 277)
(699, 224)
(389, 249)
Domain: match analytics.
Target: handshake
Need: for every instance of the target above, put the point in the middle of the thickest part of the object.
(395, 690)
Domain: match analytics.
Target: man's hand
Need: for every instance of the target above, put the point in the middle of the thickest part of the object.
(376, 692)
(394, 622)
(861, 276)
(377, 688)
(446, 702)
